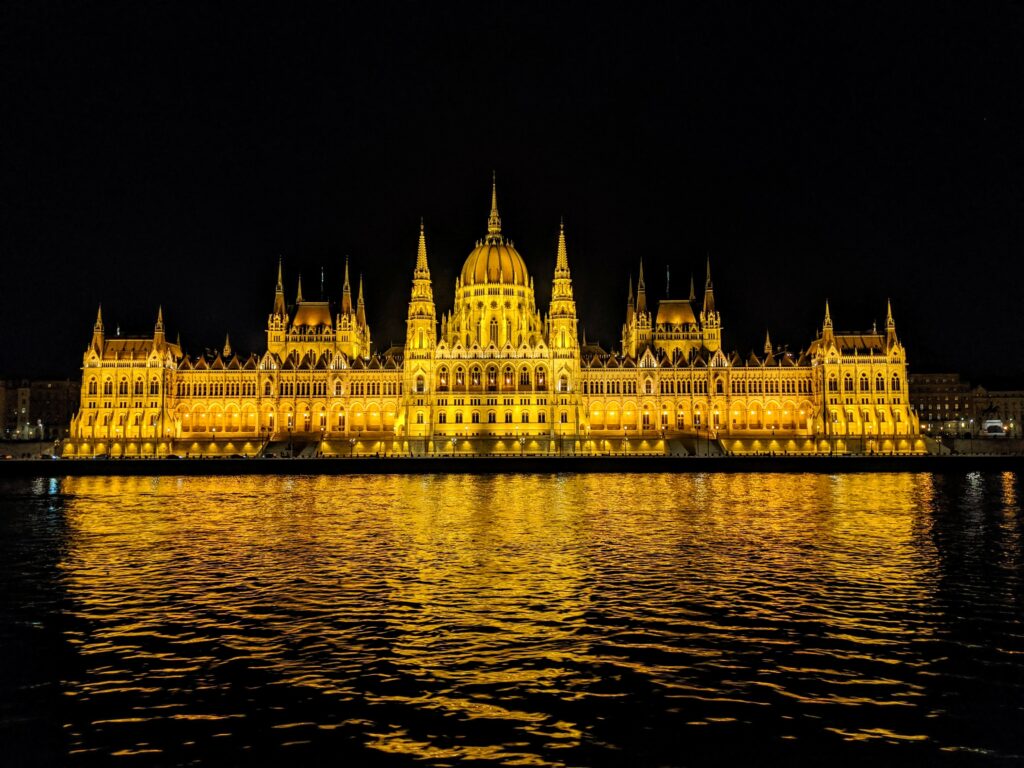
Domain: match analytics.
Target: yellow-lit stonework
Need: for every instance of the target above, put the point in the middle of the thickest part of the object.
(494, 375)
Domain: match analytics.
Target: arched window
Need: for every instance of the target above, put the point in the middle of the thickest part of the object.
(718, 387)
(648, 387)
(474, 376)
(508, 375)
(122, 388)
(137, 388)
(460, 377)
(442, 378)
(267, 389)
(419, 389)
(494, 331)
(492, 417)
(154, 387)
(879, 383)
(833, 385)
(563, 417)
(541, 378)
(864, 385)
(419, 416)
(848, 383)
(338, 389)
(525, 418)
(442, 418)
(895, 382)
(92, 386)
(108, 387)
(563, 383)
(524, 377)
(508, 417)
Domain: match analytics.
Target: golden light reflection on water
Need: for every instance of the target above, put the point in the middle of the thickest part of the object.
(423, 608)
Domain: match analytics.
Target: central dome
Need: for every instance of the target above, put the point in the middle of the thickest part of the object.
(494, 260)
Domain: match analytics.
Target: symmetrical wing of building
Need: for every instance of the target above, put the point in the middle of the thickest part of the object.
(494, 374)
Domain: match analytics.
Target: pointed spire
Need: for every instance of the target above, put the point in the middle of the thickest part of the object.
(279, 307)
(346, 293)
(890, 325)
(494, 220)
(298, 297)
(767, 343)
(709, 291)
(693, 292)
(227, 345)
(360, 306)
(99, 319)
(641, 291)
(629, 292)
(562, 260)
(177, 339)
(158, 329)
(421, 253)
(828, 317)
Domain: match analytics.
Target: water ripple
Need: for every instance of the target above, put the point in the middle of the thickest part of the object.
(518, 620)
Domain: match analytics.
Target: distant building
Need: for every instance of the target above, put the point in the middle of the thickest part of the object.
(38, 409)
(494, 374)
(942, 402)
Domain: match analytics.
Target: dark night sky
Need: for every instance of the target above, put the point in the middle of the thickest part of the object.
(153, 155)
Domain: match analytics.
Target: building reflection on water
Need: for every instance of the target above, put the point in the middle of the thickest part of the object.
(528, 619)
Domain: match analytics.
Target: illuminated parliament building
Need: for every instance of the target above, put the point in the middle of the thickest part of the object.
(495, 374)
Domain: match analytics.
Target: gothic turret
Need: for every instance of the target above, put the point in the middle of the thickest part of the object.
(346, 293)
(361, 306)
(97, 332)
(890, 327)
(421, 323)
(279, 306)
(159, 339)
(562, 315)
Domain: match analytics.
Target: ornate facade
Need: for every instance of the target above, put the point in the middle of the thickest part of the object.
(494, 375)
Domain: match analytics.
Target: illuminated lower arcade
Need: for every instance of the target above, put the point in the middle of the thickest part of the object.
(494, 376)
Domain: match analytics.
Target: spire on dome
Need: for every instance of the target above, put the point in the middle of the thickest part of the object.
(494, 220)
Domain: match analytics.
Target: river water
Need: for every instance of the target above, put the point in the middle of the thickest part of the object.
(514, 620)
